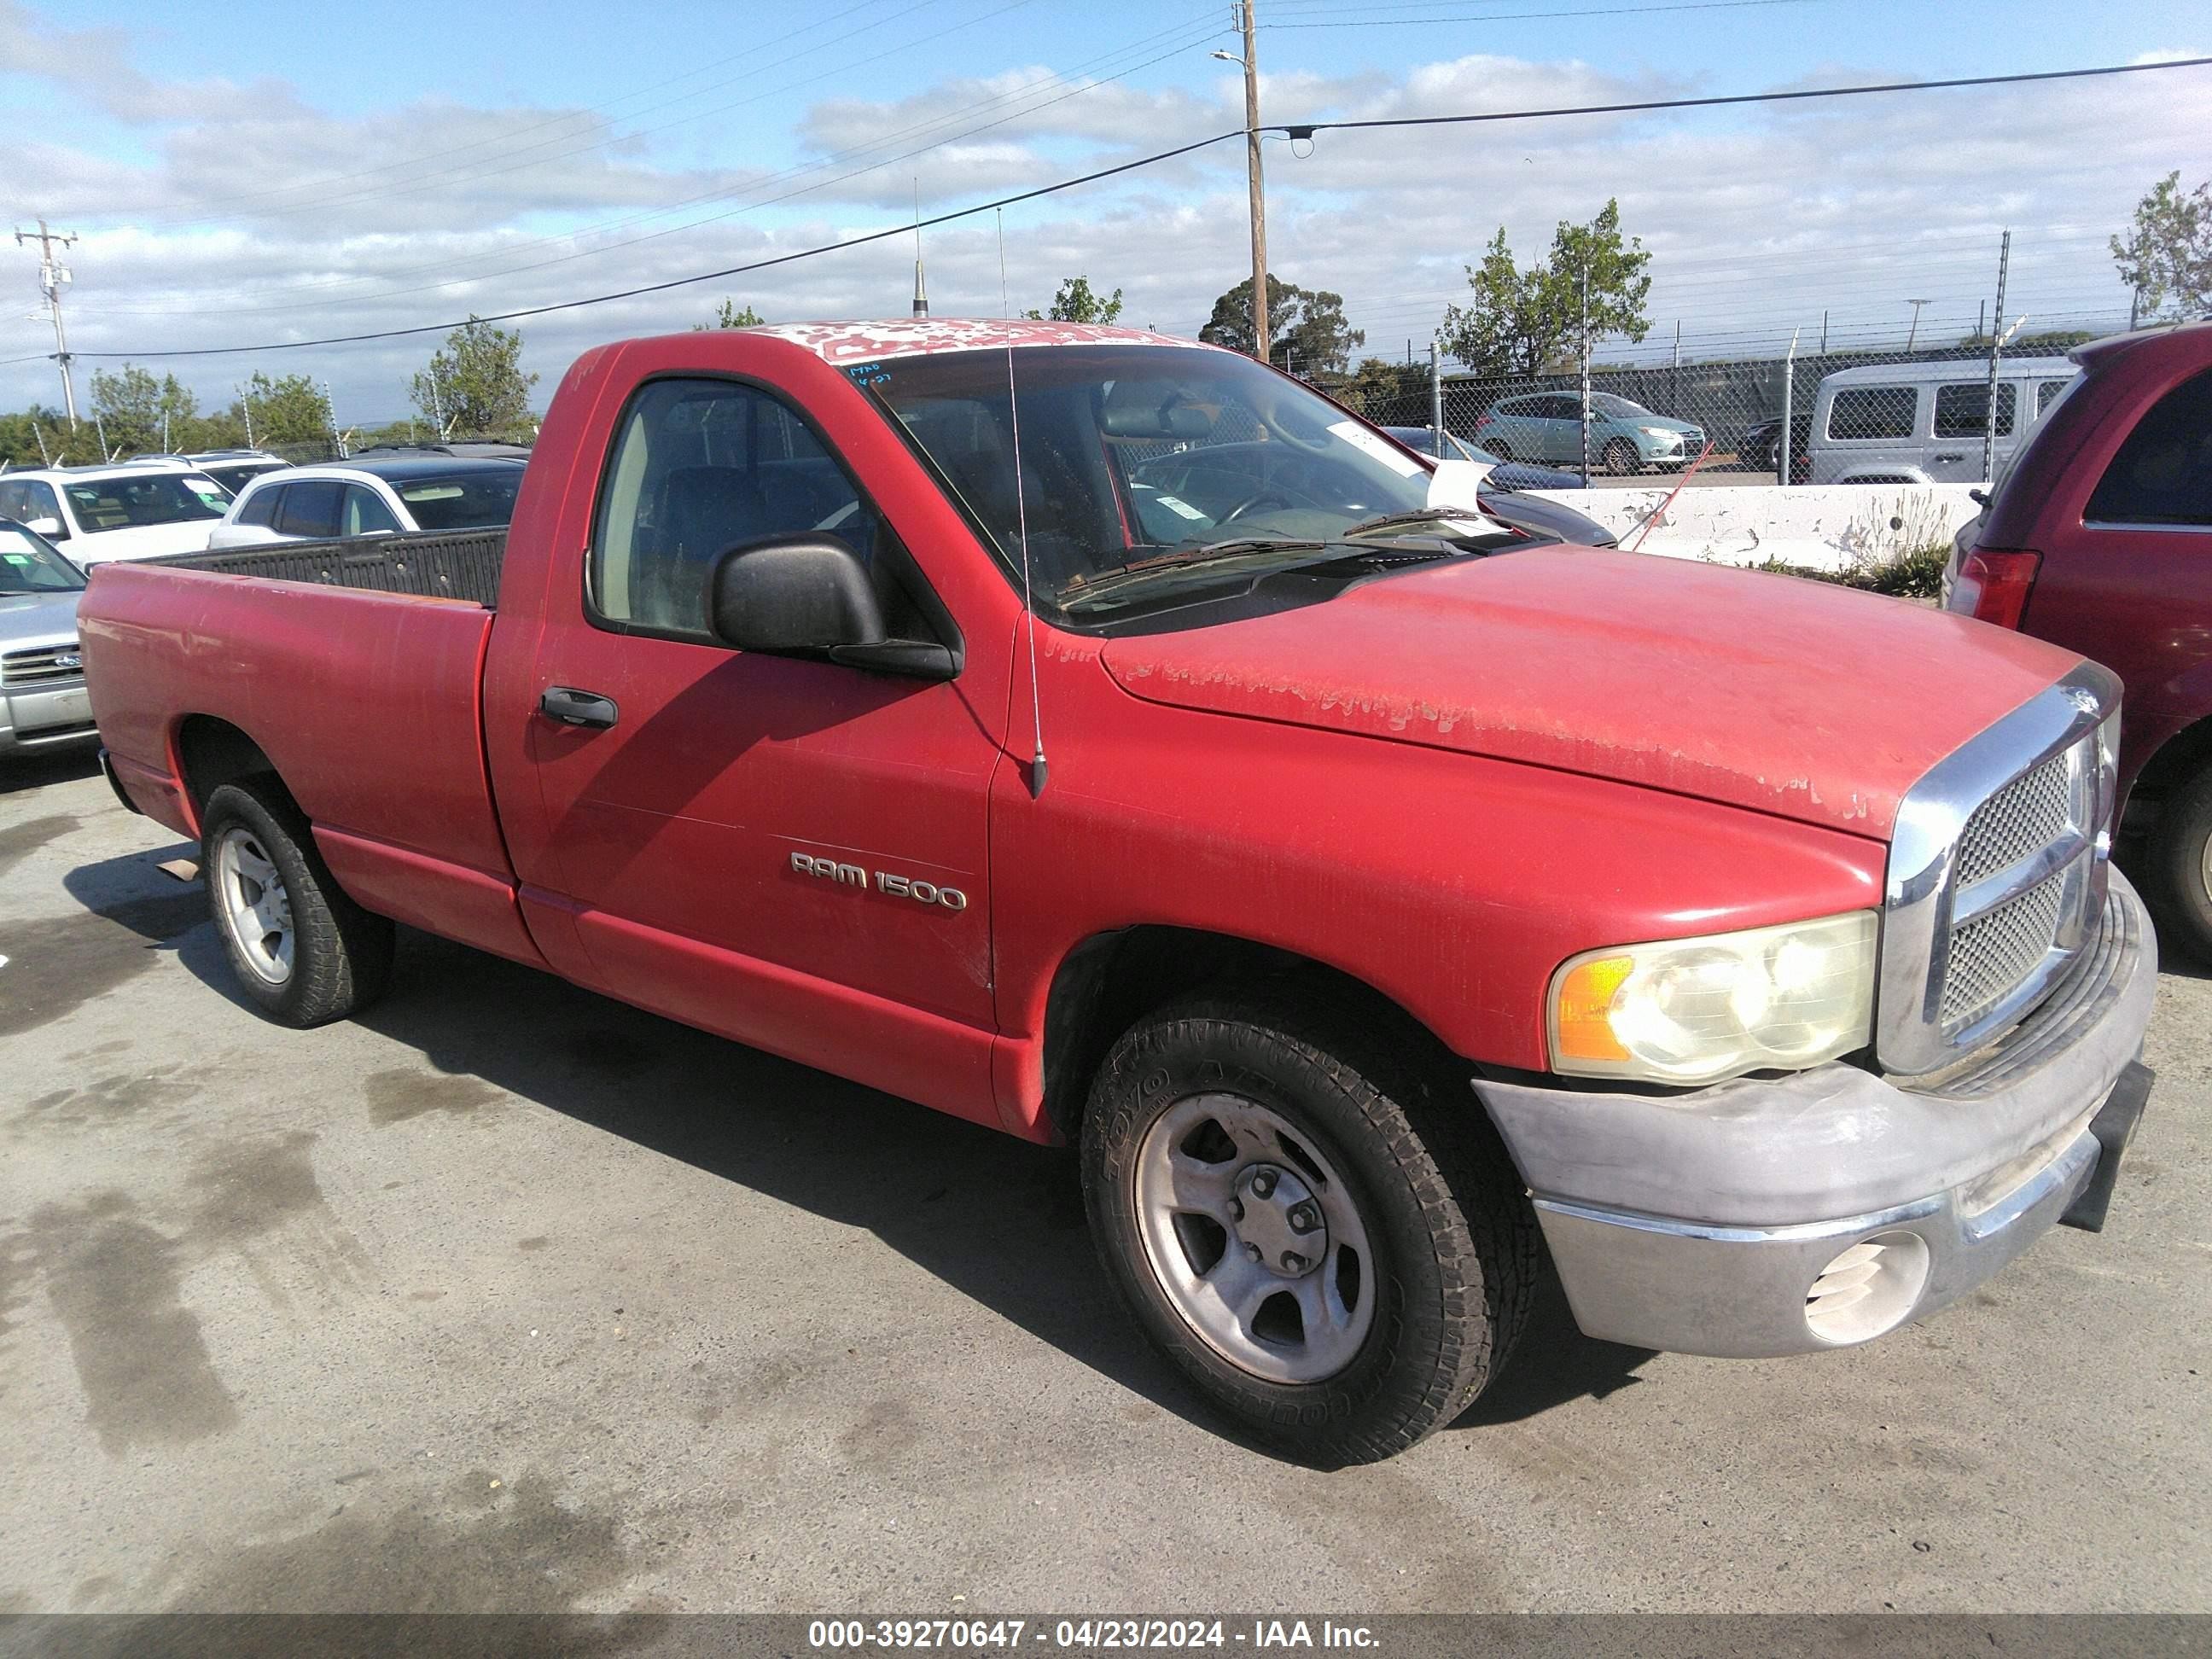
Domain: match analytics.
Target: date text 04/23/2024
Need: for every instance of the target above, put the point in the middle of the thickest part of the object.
(1011, 1635)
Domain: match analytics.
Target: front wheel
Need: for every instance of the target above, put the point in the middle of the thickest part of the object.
(1622, 459)
(303, 952)
(1326, 1245)
(2181, 863)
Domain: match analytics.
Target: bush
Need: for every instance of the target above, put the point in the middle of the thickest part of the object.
(1915, 575)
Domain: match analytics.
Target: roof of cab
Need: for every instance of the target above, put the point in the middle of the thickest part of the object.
(901, 336)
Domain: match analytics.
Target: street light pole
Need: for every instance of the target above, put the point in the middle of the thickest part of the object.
(1255, 183)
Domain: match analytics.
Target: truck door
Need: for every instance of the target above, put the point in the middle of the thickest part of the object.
(785, 850)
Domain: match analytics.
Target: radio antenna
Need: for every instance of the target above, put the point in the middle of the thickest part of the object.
(1037, 768)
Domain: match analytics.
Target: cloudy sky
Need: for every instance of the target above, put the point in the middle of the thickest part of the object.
(244, 180)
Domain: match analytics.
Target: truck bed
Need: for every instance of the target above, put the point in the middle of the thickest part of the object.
(445, 564)
(355, 666)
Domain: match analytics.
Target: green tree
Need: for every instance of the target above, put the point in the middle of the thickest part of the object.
(2167, 255)
(1076, 303)
(139, 414)
(728, 315)
(40, 436)
(1524, 322)
(1306, 329)
(474, 384)
(289, 409)
(1388, 393)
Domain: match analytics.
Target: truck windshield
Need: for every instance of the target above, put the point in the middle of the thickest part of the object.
(28, 565)
(1133, 453)
(133, 500)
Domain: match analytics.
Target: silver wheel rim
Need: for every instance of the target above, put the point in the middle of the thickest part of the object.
(256, 910)
(2204, 868)
(1254, 1237)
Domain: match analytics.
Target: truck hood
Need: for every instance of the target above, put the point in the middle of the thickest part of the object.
(148, 541)
(30, 620)
(1769, 692)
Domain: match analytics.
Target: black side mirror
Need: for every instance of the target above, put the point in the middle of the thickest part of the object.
(810, 595)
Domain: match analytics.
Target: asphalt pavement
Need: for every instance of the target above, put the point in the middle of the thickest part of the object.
(507, 1297)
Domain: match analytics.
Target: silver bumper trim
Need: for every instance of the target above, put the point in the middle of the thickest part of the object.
(1698, 1221)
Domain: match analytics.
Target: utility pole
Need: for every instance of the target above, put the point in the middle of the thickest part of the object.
(1914, 334)
(1824, 334)
(1254, 183)
(53, 276)
(245, 402)
(1997, 349)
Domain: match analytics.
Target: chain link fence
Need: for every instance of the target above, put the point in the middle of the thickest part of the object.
(1895, 417)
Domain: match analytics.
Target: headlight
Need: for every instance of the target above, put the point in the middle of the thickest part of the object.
(1656, 432)
(1688, 1011)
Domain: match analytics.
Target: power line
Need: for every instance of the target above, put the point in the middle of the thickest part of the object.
(1295, 129)
(1526, 16)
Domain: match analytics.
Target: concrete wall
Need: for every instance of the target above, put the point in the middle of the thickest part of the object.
(1825, 526)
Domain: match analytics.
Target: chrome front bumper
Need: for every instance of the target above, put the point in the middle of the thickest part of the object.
(1702, 1221)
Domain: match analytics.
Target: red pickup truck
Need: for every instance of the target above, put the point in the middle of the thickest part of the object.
(2098, 538)
(1112, 740)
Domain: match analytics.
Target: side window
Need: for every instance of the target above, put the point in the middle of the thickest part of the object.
(2047, 392)
(260, 508)
(2163, 472)
(366, 515)
(24, 501)
(311, 508)
(1873, 411)
(699, 467)
(1962, 408)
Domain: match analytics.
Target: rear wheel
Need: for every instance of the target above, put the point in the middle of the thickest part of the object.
(1328, 1245)
(1498, 447)
(304, 953)
(1622, 459)
(2181, 863)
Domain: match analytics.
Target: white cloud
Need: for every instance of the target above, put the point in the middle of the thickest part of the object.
(261, 217)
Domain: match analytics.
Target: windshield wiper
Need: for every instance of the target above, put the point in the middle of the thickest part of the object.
(1182, 557)
(1419, 515)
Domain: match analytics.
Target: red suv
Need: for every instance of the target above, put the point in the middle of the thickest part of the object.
(2099, 538)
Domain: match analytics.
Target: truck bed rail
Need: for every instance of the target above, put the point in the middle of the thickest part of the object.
(446, 564)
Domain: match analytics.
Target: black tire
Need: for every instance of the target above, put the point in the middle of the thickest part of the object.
(1452, 1235)
(2180, 864)
(1498, 447)
(340, 955)
(1622, 458)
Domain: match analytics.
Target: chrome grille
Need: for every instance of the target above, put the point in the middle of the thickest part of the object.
(1998, 949)
(49, 664)
(1998, 875)
(2020, 820)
